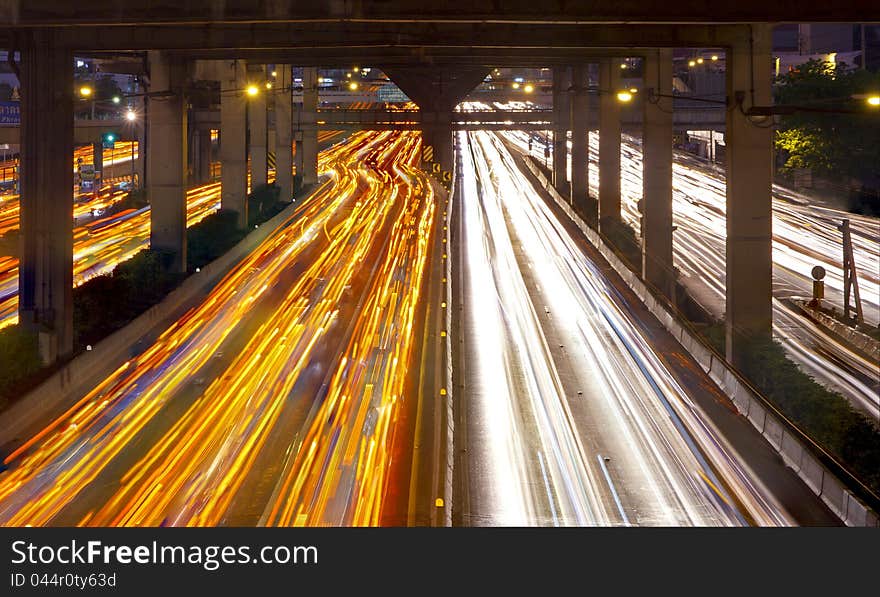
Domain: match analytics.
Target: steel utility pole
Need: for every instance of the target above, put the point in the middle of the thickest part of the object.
(850, 276)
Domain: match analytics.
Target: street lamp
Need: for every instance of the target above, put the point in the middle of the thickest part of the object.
(353, 86)
(873, 100)
(116, 99)
(268, 85)
(529, 88)
(253, 90)
(85, 91)
(692, 63)
(515, 85)
(624, 96)
(130, 115)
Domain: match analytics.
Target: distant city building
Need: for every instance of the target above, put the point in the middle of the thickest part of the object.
(794, 44)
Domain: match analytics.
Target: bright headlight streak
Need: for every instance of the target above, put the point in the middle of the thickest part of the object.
(663, 386)
(805, 235)
(167, 363)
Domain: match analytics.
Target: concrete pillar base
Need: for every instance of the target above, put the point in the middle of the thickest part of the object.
(561, 111)
(257, 127)
(46, 267)
(307, 135)
(283, 143)
(167, 160)
(657, 266)
(233, 140)
(609, 142)
(580, 112)
(749, 153)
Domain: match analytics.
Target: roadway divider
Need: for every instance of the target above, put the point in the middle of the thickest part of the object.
(31, 412)
(826, 477)
(446, 232)
(861, 343)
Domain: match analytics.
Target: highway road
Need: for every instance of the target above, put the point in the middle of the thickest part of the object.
(275, 400)
(804, 235)
(572, 415)
(101, 243)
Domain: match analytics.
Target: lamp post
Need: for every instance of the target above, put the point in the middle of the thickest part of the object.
(130, 116)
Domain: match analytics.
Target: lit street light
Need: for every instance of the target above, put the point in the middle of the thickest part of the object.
(529, 88)
(624, 96)
(116, 99)
(85, 91)
(353, 86)
(130, 115)
(874, 100)
(253, 90)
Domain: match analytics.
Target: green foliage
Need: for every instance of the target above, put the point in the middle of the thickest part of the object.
(838, 137)
(263, 204)
(823, 415)
(106, 303)
(211, 238)
(19, 358)
(623, 238)
(805, 147)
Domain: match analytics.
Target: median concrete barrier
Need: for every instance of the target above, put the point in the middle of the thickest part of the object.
(773, 432)
(791, 451)
(834, 495)
(812, 473)
(757, 414)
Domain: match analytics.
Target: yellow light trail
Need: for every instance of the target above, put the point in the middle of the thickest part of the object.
(378, 210)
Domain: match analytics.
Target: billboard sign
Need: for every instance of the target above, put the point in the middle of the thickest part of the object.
(10, 113)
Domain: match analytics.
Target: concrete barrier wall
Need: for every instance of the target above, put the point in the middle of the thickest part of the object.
(791, 447)
(26, 415)
(862, 342)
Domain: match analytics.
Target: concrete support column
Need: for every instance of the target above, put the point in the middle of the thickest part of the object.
(257, 125)
(45, 274)
(271, 134)
(283, 147)
(437, 91)
(580, 114)
(167, 157)
(609, 141)
(204, 155)
(561, 111)
(437, 134)
(749, 152)
(307, 133)
(233, 140)
(657, 173)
